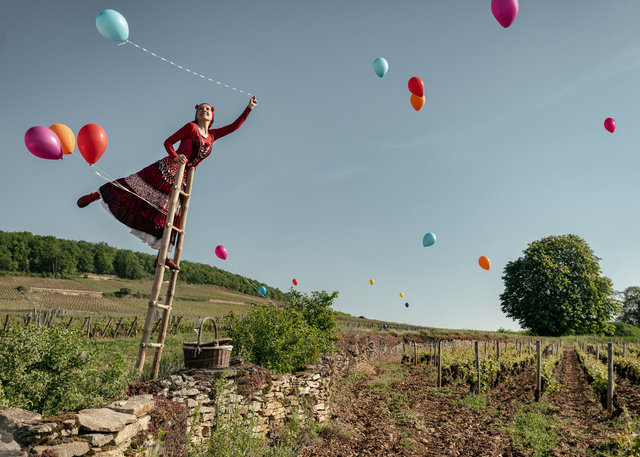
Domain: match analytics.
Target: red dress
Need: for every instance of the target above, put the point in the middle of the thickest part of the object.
(154, 183)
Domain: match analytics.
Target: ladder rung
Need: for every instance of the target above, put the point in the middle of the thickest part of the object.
(153, 345)
(184, 194)
(161, 306)
(173, 227)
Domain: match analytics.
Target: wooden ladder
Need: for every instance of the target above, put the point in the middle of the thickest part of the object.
(154, 305)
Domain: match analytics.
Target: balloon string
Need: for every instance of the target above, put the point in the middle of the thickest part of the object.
(107, 177)
(254, 287)
(185, 68)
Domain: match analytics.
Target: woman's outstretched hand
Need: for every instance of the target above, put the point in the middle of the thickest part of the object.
(253, 102)
(181, 159)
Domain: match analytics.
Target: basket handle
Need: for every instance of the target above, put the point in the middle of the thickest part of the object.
(215, 326)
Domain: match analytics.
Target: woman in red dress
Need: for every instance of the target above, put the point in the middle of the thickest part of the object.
(141, 200)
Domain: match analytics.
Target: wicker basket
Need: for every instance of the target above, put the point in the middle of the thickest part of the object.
(207, 355)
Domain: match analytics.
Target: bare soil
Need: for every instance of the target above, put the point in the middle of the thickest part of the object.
(394, 409)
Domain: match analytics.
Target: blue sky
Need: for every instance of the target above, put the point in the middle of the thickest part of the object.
(335, 178)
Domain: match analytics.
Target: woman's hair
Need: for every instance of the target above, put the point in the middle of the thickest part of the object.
(212, 112)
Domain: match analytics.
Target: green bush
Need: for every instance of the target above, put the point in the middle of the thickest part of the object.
(285, 339)
(52, 370)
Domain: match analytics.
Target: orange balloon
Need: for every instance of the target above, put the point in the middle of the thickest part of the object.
(484, 262)
(417, 102)
(66, 137)
(371, 282)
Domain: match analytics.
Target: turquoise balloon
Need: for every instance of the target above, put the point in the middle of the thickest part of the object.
(380, 66)
(262, 290)
(429, 239)
(112, 25)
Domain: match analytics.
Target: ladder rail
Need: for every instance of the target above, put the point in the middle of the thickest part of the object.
(159, 276)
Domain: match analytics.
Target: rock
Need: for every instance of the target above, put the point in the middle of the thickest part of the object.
(97, 439)
(8, 447)
(13, 418)
(65, 450)
(103, 420)
(138, 405)
(132, 430)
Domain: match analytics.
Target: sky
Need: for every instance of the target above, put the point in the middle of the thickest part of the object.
(335, 178)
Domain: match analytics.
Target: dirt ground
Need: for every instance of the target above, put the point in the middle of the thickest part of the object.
(394, 409)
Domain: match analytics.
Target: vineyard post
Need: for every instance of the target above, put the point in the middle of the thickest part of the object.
(415, 353)
(89, 327)
(107, 327)
(6, 323)
(477, 366)
(115, 332)
(439, 363)
(133, 324)
(610, 378)
(624, 347)
(453, 347)
(498, 351)
(485, 347)
(529, 347)
(598, 352)
(538, 370)
(26, 325)
(69, 323)
(520, 348)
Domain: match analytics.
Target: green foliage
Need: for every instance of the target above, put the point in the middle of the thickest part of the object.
(556, 289)
(630, 306)
(534, 431)
(126, 265)
(51, 370)
(285, 339)
(626, 330)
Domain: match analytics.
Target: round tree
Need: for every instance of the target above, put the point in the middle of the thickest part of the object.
(556, 289)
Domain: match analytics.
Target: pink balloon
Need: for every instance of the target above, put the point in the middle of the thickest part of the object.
(416, 86)
(43, 142)
(505, 11)
(221, 252)
(610, 124)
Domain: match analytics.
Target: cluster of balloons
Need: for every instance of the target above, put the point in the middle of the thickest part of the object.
(112, 25)
(505, 11)
(610, 125)
(58, 139)
(416, 87)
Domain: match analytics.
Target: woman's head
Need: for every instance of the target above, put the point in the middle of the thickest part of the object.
(204, 111)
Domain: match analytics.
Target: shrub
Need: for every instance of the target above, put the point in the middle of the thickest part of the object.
(51, 370)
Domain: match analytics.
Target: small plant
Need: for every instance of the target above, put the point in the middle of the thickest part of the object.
(21, 288)
(168, 425)
(535, 431)
(476, 402)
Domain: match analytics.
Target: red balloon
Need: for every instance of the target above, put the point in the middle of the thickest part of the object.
(416, 86)
(505, 11)
(610, 124)
(92, 142)
(295, 282)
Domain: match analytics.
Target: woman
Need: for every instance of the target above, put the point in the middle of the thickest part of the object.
(140, 201)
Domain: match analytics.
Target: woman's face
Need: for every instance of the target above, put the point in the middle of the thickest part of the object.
(204, 112)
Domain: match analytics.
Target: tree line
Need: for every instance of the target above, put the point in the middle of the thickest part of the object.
(24, 252)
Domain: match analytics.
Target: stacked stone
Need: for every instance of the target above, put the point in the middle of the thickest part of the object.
(103, 432)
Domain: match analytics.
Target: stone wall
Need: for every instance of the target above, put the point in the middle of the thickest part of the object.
(125, 427)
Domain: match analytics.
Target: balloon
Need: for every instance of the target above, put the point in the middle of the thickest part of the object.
(295, 282)
(429, 239)
(221, 252)
(384, 326)
(505, 11)
(406, 305)
(43, 142)
(380, 66)
(401, 295)
(610, 124)
(417, 102)
(112, 25)
(66, 137)
(92, 142)
(371, 282)
(484, 262)
(262, 290)
(416, 86)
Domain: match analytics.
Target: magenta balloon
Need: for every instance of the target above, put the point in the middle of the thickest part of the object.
(221, 252)
(610, 124)
(43, 142)
(505, 11)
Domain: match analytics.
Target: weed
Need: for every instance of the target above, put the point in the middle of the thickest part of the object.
(535, 431)
(476, 402)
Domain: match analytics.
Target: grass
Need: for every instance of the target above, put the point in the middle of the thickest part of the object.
(475, 402)
(534, 431)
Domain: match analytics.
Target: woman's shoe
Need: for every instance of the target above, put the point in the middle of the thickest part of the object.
(168, 262)
(87, 199)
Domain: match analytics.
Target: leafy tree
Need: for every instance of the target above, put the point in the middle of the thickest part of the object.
(631, 306)
(103, 258)
(556, 289)
(6, 261)
(126, 265)
(316, 310)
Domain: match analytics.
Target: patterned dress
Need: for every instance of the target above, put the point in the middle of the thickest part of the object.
(154, 183)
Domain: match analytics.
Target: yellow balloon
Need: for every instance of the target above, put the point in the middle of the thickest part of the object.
(401, 295)
(66, 137)
(371, 282)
